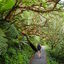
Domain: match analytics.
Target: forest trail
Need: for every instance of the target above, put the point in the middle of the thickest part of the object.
(42, 60)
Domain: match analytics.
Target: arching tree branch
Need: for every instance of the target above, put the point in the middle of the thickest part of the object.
(35, 8)
(9, 13)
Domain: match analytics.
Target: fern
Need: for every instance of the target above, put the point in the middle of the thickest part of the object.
(12, 32)
(2, 33)
(3, 45)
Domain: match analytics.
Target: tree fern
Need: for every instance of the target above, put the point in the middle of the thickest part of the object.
(3, 44)
(13, 32)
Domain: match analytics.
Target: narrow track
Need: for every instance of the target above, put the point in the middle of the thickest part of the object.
(42, 60)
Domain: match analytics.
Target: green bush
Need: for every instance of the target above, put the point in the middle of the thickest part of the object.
(26, 57)
(49, 61)
(58, 50)
(6, 5)
(12, 32)
(13, 56)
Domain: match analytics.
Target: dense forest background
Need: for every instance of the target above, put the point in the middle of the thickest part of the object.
(41, 20)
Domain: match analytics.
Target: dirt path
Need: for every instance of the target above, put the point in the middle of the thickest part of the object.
(42, 60)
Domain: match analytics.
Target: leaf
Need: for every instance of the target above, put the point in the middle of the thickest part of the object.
(6, 5)
(3, 45)
(35, 39)
(13, 32)
(1, 33)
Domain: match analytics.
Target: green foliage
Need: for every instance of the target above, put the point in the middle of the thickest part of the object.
(51, 61)
(14, 56)
(58, 51)
(26, 57)
(35, 39)
(12, 32)
(31, 2)
(27, 17)
(2, 34)
(4, 25)
(28, 3)
(6, 5)
(55, 34)
(10, 38)
(3, 44)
